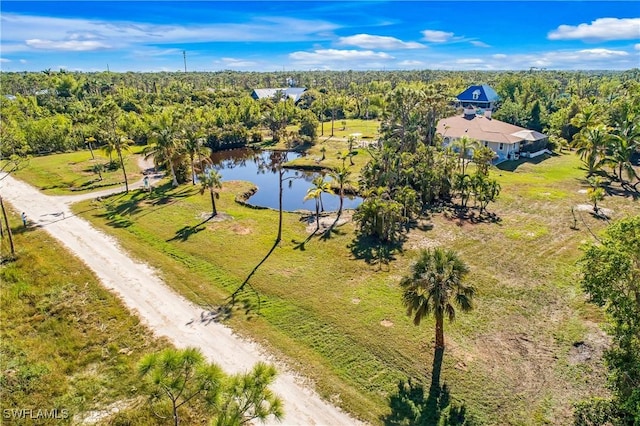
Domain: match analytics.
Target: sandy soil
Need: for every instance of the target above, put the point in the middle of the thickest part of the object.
(162, 310)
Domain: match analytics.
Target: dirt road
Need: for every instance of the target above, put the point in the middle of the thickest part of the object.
(162, 310)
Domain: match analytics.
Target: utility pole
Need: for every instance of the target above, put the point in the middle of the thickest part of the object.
(184, 55)
(6, 221)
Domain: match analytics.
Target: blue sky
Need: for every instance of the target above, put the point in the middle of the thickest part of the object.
(309, 35)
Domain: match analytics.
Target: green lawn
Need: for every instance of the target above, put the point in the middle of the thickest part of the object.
(67, 344)
(72, 172)
(338, 318)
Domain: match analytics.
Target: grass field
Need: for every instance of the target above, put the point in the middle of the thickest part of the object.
(529, 350)
(72, 172)
(67, 345)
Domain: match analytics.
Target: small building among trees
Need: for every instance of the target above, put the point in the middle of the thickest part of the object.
(282, 93)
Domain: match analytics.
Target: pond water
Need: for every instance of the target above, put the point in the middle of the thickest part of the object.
(261, 168)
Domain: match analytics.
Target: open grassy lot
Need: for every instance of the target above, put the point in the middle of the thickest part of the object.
(67, 345)
(73, 172)
(362, 129)
(530, 349)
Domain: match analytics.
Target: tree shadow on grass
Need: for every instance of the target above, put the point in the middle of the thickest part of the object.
(120, 207)
(187, 231)
(464, 215)
(375, 252)
(512, 165)
(411, 406)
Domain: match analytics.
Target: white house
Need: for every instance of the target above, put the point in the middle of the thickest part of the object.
(505, 139)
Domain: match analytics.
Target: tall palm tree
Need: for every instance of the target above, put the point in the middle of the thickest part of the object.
(464, 145)
(591, 144)
(319, 187)
(165, 150)
(194, 147)
(119, 144)
(315, 193)
(625, 141)
(342, 177)
(323, 186)
(434, 286)
(210, 180)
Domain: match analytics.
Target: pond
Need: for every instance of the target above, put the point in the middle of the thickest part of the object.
(261, 168)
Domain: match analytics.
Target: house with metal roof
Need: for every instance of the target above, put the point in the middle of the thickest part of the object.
(284, 92)
(482, 96)
(506, 140)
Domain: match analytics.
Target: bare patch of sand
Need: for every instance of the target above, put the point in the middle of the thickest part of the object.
(589, 208)
(326, 221)
(386, 323)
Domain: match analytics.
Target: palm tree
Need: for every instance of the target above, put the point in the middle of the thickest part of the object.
(194, 147)
(315, 193)
(210, 180)
(118, 144)
(323, 186)
(165, 149)
(341, 176)
(625, 141)
(464, 144)
(319, 186)
(591, 145)
(436, 280)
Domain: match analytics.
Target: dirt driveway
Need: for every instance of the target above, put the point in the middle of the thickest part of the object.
(162, 310)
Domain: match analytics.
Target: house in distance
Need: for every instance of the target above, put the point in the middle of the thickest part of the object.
(282, 92)
(506, 140)
(481, 96)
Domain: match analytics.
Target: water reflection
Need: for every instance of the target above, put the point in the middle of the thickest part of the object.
(260, 167)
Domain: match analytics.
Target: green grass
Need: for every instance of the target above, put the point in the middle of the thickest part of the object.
(339, 319)
(66, 342)
(72, 172)
(368, 129)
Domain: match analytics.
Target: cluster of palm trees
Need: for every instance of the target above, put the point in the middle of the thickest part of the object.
(341, 179)
(614, 146)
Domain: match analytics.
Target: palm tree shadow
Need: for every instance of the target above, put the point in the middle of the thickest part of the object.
(299, 245)
(375, 252)
(186, 231)
(409, 406)
(233, 299)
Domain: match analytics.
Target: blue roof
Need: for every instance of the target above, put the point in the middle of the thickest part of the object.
(484, 94)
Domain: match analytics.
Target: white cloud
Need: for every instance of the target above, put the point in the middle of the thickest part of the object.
(68, 45)
(84, 34)
(584, 59)
(437, 36)
(4, 60)
(151, 52)
(602, 53)
(466, 61)
(637, 46)
(367, 41)
(499, 56)
(602, 29)
(478, 43)
(334, 59)
(411, 63)
(330, 55)
(235, 63)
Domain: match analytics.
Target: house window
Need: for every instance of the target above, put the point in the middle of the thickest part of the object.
(476, 94)
(501, 145)
(485, 144)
